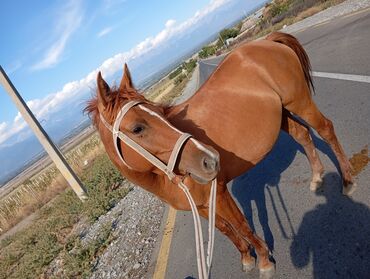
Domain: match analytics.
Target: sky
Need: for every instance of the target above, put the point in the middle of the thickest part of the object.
(52, 51)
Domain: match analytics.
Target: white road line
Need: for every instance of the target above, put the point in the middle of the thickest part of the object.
(358, 78)
(210, 64)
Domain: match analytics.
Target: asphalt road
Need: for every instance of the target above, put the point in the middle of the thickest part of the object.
(312, 235)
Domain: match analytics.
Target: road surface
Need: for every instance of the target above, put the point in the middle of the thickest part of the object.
(313, 235)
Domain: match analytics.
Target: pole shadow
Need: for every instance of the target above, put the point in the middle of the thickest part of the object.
(252, 186)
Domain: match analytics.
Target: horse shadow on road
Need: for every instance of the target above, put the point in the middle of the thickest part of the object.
(335, 235)
(254, 185)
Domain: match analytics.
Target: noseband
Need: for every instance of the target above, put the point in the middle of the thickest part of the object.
(203, 267)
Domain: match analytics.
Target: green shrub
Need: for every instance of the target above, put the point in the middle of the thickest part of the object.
(207, 51)
(175, 73)
(189, 66)
(279, 8)
(179, 79)
(226, 34)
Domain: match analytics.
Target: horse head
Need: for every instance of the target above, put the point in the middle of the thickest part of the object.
(144, 123)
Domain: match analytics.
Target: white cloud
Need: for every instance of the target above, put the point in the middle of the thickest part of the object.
(170, 22)
(43, 108)
(105, 31)
(3, 129)
(69, 19)
(6, 131)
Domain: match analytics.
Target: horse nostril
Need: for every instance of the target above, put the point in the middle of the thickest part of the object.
(210, 164)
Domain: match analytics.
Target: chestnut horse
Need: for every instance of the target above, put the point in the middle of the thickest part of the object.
(236, 116)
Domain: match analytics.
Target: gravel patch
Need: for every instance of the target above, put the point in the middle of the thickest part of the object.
(136, 221)
(134, 225)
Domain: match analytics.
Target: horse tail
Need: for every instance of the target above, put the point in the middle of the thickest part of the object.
(292, 42)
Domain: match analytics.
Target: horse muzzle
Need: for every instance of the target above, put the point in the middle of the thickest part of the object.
(204, 164)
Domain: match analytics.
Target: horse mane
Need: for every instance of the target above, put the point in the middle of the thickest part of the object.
(116, 97)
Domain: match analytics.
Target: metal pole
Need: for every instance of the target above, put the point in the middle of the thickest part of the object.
(43, 137)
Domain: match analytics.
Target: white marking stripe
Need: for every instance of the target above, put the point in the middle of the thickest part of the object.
(358, 78)
(201, 147)
(160, 117)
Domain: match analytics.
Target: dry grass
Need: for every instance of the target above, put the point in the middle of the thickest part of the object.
(166, 92)
(30, 204)
(157, 89)
(163, 93)
(309, 12)
(175, 92)
(42, 188)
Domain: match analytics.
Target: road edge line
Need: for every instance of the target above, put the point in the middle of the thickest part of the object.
(164, 250)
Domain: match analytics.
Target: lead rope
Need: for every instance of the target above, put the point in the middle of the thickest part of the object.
(204, 266)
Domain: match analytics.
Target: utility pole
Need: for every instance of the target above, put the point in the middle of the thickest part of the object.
(53, 151)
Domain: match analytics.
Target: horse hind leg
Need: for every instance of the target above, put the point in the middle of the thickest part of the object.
(308, 111)
(302, 135)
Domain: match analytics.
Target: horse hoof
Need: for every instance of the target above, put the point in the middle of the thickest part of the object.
(267, 273)
(316, 183)
(349, 189)
(247, 267)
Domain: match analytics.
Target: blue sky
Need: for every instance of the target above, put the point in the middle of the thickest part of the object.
(49, 43)
(52, 50)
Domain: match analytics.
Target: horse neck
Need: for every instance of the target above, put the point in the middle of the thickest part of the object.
(180, 111)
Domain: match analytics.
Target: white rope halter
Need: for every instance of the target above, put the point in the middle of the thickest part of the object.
(203, 266)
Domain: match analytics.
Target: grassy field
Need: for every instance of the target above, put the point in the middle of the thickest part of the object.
(35, 192)
(28, 253)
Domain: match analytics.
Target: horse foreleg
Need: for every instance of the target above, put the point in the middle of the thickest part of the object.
(228, 210)
(248, 262)
(302, 135)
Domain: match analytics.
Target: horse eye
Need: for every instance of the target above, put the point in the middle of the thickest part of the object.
(138, 129)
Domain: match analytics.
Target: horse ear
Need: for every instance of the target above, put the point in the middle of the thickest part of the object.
(103, 90)
(126, 81)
